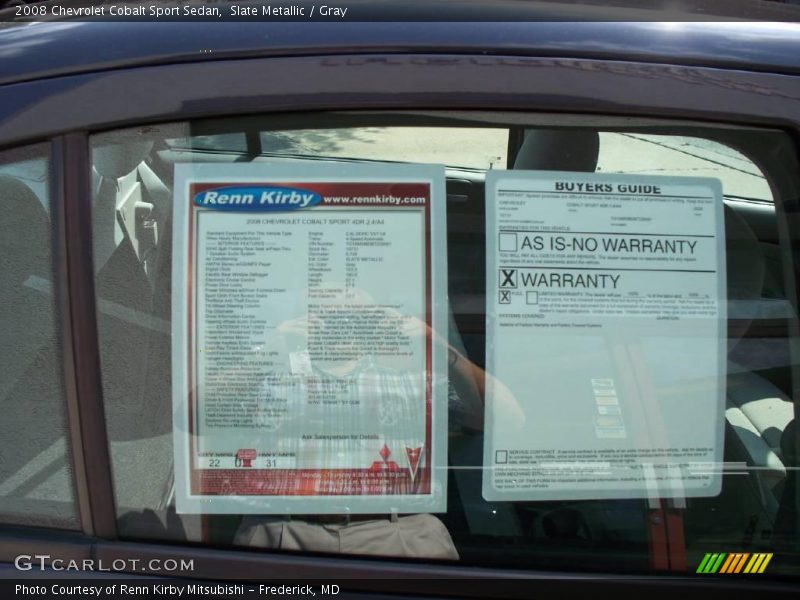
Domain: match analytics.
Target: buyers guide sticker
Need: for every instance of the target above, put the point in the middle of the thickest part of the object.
(306, 298)
(605, 330)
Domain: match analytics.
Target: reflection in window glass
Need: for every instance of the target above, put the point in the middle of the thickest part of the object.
(754, 511)
(458, 147)
(226, 142)
(682, 156)
(35, 472)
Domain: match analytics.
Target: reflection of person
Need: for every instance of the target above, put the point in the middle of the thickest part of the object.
(369, 378)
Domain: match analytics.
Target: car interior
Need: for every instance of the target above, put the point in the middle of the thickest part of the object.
(132, 208)
(28, 380)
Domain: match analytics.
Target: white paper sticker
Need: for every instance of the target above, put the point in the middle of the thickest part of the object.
(306, 301)
(605, 334)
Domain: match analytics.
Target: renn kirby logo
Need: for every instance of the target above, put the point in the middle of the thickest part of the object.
(256, 198)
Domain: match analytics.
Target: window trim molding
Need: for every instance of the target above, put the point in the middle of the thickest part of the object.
(392, 81)
(88, 443)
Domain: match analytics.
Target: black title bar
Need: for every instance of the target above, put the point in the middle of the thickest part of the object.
(652, 588)
(403, 10)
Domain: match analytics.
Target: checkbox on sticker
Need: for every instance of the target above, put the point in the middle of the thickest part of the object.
(501, 457)
(532, 297)
(508, 242)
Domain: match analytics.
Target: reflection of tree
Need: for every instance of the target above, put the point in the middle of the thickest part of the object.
(323, 142)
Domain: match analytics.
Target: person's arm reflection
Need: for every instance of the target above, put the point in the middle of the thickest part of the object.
(469, 380)
(470, 383)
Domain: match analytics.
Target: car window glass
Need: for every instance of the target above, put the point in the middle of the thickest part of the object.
(35, 471)
(483, 148)
(226, 142)
(682, 155)
(754, 511)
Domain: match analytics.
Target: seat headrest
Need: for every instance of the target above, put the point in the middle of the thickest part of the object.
(24, 233)
(745, 270)
(117, 160)
(745, 260)
(559, 150)
(788, 447)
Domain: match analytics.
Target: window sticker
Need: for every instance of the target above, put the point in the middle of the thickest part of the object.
(309, 338)
(606, 329)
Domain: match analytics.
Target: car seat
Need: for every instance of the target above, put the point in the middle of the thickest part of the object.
(135, 338)
(33, 425)
(757, 412)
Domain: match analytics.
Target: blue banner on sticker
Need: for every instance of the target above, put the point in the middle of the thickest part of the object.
(256, 198)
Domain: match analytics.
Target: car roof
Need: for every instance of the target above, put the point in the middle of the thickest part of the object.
(31, 51)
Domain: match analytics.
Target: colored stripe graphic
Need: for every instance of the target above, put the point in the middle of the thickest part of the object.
(712, 560)
(767, 558)
(740, 563)
(736, 562)
(729, 562)
(714, 567)
(703, 563)
(755, 562)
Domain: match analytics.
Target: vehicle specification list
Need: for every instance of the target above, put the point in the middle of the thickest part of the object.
(257, 271)
(308, 343)
(605, 325)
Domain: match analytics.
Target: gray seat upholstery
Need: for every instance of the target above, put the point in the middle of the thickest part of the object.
(134, 330)
(756, 410)
(559, 150)
(33, 450)
(24, 237)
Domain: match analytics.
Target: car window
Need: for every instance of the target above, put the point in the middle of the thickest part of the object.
(226, 142)
(683, 155)
(35, 470)
(522, 410)
(481, 148)
(487, 148)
